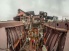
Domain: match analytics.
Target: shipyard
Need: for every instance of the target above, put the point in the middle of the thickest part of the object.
(28, 31)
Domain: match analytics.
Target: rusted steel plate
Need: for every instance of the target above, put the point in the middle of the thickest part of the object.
(53, 41)
(66, 47)
(3, 39)
(11, 23)
(59, 27)
(57, 40)
(15, 35)
(12, 35)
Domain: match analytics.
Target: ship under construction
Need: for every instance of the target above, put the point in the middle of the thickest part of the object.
(30, 32)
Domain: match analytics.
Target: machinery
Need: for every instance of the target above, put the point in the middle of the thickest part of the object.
(45, 18)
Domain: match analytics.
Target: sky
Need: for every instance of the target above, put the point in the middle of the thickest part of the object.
(8, 8)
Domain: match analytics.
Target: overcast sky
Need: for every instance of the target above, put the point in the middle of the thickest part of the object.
(8, 8)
